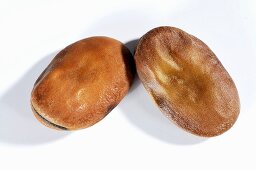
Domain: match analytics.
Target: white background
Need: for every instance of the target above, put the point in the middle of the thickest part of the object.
(135, 135)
